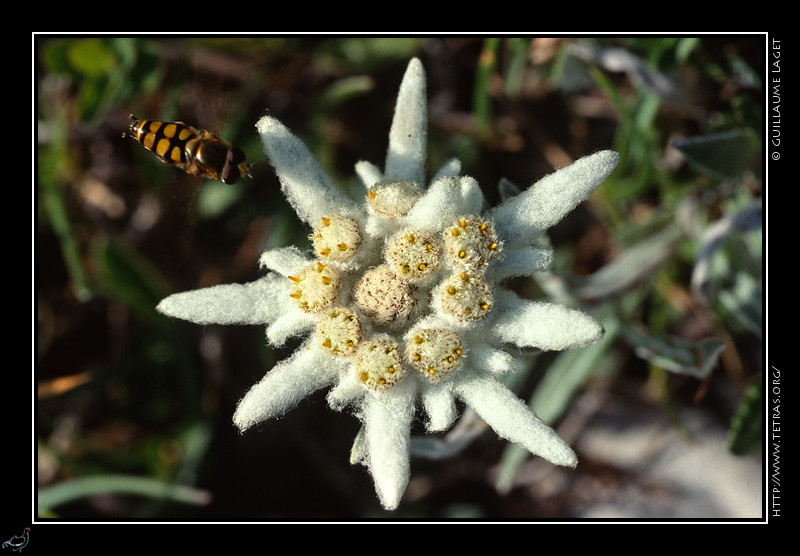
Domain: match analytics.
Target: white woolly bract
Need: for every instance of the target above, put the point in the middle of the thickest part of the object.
(368, 173)
(290, 324)
(449, 169)
(542, 325)
(346, 392)
(284, 260)
(492, 360)
(522, 261)
(229, 303)
(445, 200)
(408, 136)
(511, 419)
(439, 405)
(387, 429)
(547, 201)
(307, 186)
(290, 381)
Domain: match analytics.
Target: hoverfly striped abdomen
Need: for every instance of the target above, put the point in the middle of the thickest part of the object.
(166, 139)
(195, 151)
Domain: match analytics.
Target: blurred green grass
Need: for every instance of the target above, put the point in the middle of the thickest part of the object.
(117, 231)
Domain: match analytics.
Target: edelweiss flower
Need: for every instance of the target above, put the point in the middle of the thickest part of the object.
(401, 301)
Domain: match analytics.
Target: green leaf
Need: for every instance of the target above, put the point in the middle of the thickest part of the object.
(54, 170)
(742, 304)
(693, 358)
(76, 489)
(364, 53)
(127, 276)
(745, 433)
(345, 89)
(726, 154)
(684, 48)
(519, 51)
(358, 451)
(195, 440)
(633, 266)
(91, 57)
(481, 92)
(214, 198)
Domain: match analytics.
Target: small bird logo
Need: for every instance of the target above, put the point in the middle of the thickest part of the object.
(18, 542)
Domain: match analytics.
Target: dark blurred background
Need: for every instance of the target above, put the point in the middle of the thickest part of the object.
(133, 410)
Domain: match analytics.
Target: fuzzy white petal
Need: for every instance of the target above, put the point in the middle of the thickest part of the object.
(439, 405)
(444, 201)
(368, 173)
(346, 392)
(387, 421)
(405, 158)
(542, 325)
(309, 189)
(250, 303)
(289, 324)
(450, 169)
(492, 360)
(511, 419)
(284, 260)
(471, 195)
(438, 205)
(283, 387)
(521, 261)
(548, 200)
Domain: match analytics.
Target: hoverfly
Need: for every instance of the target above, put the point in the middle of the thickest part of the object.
(195, 151)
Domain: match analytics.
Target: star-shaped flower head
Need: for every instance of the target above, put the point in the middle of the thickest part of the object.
(402, 303)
